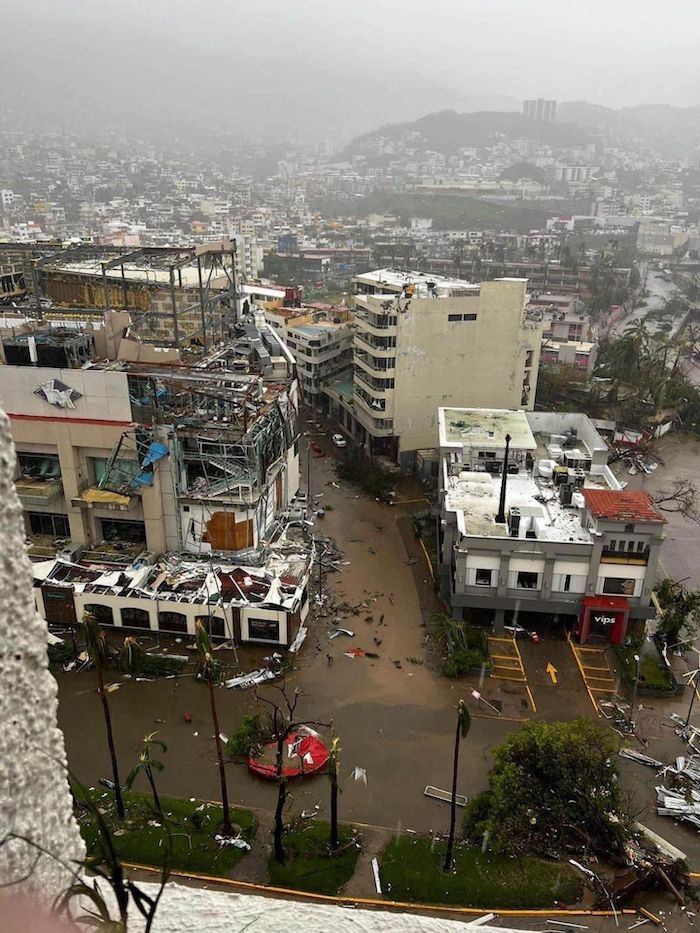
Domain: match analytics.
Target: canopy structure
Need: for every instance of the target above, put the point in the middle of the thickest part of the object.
(305, 753)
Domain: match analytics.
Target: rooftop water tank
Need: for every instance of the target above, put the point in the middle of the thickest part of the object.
(545, 468)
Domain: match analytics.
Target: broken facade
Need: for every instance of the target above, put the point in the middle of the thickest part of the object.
(149, 450)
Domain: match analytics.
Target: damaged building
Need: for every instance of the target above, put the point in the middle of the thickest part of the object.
(126, 451)
(534, 521)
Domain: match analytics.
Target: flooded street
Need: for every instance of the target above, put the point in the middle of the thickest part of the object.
(394, 717)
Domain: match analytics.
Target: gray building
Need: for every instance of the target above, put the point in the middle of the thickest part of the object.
(555, 535)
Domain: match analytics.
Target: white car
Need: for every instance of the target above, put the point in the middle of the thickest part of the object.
(339, 440)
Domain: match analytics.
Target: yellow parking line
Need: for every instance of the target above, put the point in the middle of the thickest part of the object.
(527, 686)
(583, 676)
(517, 680)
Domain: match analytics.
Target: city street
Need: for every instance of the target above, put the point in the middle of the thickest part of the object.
(394, 716)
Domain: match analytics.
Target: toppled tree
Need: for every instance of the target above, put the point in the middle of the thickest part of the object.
(553, 789)
(681, 497)
(680, 612)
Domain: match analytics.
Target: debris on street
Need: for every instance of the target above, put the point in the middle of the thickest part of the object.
(634, 755)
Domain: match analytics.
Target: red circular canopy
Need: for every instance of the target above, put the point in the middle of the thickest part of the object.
(304, 753)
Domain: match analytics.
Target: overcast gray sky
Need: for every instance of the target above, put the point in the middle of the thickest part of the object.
(613, 52)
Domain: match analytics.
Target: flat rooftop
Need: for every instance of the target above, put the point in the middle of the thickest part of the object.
(474, 497)
(485, 428)
(396, 279)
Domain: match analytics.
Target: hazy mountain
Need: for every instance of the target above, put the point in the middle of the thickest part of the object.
(674, 131)
(448, 131)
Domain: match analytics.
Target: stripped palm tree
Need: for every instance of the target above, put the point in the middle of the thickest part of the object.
(463, 723)
(208, 670)
(146, 764)
(97, 647)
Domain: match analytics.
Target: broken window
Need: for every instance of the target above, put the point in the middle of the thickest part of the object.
(132, 617)
(172, 622)
(49, 523)
(103, 614)
(115, 530)
(618, 586)
(527, 580)
(483, 577)
(213, 625)
(264, 629)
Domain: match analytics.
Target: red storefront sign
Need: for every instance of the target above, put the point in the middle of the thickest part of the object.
(603, 615)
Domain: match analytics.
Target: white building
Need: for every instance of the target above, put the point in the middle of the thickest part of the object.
(552, 534)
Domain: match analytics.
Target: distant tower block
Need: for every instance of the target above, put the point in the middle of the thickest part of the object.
(545, 111)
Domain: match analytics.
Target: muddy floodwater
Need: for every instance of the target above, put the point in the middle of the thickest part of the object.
(393, 715)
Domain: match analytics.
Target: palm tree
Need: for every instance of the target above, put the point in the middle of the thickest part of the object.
(97, 647)
(148, 765)
(463, 723)
(333, 774)
(208, 670)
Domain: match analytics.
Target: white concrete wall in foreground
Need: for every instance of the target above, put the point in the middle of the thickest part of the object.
(35, 801)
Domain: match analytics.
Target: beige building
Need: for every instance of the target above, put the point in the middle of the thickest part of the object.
(126, 450)
(422, 342)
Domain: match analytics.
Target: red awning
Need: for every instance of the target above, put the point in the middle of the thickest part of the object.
(605, 602)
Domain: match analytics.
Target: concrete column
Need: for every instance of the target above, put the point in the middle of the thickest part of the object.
(547, 576)
(69, 459)
(594, 567)
(652, 571)
(503, 574)
(499, 621)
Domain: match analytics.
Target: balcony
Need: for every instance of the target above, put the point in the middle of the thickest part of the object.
(374, 324)
(369, 363)
(638, 558)
(36, 490)
(364, 342)
(368, 383)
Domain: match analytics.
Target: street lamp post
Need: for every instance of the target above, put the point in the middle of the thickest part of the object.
(638, 661)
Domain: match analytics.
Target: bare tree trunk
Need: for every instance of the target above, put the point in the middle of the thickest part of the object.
(279, 827)
(281, 799)
(334, 807)
(453, 801)
(156, 798)
(227, 827)
(110, 739)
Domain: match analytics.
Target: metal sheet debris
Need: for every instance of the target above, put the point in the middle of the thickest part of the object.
(439, 794)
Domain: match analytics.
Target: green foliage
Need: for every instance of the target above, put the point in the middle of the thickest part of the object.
(371, 479)
(648, 365)
(553, 788)
(249, 737)
(653, 673)
(680, 616)
(464, 647)
(187, 831)
(412, 865)
(60, 653)
(310, 864)
(162, 665)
